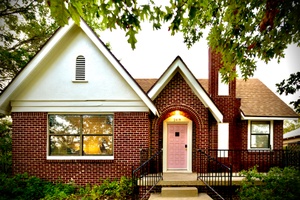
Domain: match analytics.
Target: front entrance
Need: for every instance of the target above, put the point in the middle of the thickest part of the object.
(177, 144)
(177, 147)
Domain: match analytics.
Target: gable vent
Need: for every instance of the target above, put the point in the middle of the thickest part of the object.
(80, 68)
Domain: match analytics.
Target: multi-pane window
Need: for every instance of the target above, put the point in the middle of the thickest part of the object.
(80, 135)
(260, 132)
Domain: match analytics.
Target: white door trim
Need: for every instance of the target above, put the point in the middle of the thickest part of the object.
(183, 120)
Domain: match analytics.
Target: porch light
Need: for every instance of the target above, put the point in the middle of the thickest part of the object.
(177, 116)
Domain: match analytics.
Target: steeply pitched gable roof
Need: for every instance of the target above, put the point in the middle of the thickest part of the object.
(257, 100)
(18, 81)
(179, 66)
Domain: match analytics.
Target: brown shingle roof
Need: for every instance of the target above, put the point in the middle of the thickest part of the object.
(146, 84)
(257, 100)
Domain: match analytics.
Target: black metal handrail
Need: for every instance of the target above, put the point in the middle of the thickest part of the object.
(146, 176)
(214, 174)
(262, 159)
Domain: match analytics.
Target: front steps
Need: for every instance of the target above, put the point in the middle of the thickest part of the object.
(181, 186)
(179, 192)
(180, 179)
(183, 193)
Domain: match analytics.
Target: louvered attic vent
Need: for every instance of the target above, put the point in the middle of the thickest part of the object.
(80, 68)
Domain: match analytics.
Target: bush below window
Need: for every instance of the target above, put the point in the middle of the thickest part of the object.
(23, 186)
(277, 184)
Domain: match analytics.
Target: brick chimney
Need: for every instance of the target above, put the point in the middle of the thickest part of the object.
(224, 98)
(215, 87)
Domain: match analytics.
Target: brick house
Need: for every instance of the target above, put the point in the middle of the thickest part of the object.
(292, 138)
(78, 114)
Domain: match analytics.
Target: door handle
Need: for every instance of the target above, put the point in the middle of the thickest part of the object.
(185, 146)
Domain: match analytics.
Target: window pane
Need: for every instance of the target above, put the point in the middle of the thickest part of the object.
(64, 145)
(95, 145)
(79, 135)
(259, 141)
(260, 127)
(64, 124)
(97, 124)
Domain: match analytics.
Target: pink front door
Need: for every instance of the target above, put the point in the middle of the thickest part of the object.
(177, 146)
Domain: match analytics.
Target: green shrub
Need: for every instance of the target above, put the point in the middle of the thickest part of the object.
(276, 184)
(21, 186)
(121, 189)
(5, 145)
(60, 190)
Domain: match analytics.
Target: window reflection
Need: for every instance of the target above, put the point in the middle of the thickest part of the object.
(97, 145)
(65, 145)
(97, 124)
(80, 135)
(260, 134)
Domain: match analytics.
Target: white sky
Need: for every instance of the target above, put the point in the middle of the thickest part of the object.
(155, 51)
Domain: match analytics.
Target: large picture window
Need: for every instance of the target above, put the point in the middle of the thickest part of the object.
(260, 132)
(80, 135)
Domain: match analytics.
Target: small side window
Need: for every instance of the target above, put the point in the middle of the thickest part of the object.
(260, 135)
(80, 68)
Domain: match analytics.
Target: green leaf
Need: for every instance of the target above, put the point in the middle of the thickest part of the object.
(193, 12)
(145, 12)
(128, 3)
(78, 6)
(131, 40)
(59, 12)
(74, 14)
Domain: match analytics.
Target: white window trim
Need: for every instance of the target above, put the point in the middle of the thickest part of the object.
(87, 157)
(271, 136)
(223, 139)
(78, 81)
(79, 157)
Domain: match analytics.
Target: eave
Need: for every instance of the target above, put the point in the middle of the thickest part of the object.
(179, 66)
(18, 82)
(260, 118)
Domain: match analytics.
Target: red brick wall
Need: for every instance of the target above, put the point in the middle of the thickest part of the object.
(230, 108)
(277, 134)
(214, 64)
(131, 132)
(228, 105)
(177, 95)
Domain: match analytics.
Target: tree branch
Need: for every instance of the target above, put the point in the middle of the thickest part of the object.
(10, 11)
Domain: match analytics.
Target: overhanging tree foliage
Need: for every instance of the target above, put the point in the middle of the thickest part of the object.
(290, 86)
(290, 125)
(241, 30)
(25, 25)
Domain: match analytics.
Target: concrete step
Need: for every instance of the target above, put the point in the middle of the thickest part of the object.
(179, 192)
(200, 196)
